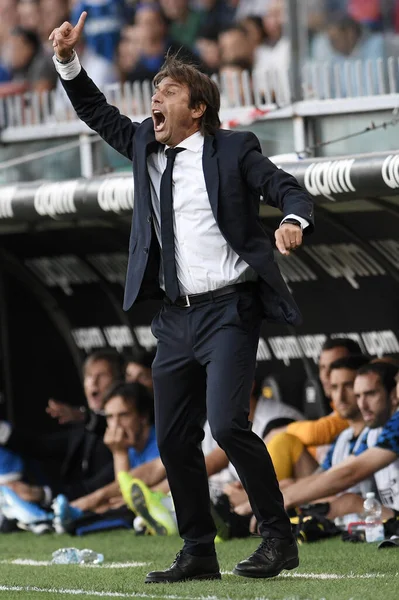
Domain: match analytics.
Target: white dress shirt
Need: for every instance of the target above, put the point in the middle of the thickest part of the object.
(204, 260)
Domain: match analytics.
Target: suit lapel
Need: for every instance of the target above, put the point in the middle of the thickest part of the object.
(151, 145)
(211, 172)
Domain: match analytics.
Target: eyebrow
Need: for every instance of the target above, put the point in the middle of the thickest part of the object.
(168, 85)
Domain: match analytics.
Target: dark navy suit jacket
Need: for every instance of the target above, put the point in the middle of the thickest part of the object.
(236, 175)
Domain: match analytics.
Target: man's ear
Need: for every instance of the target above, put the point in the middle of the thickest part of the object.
(199, 111)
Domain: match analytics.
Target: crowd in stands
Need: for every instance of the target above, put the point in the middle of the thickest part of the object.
(102, 469)
(126, 40)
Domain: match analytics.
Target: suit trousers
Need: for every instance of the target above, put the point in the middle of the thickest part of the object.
(204, 368)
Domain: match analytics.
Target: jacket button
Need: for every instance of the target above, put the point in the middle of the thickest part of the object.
(149, 219)
(145, 250)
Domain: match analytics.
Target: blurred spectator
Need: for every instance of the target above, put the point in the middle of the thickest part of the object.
(103, 25)
(155, 43)
(235, 46)
(207, 47)
(274, 52)
(184, 22)
(346, 40)
(253, 25)
(128, 51)
(138, 367)
(218, 14)
(29, 14)
(75, 461)
(27, 61)
(333, 349)
(130, 433)
(100, 369)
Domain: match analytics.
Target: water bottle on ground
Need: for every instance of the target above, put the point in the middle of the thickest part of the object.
(73, 556)
(372, 513)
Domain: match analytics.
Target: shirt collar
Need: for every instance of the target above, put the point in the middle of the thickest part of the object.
(194, 143)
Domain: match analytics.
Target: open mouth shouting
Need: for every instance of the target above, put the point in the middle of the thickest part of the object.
(159, 120)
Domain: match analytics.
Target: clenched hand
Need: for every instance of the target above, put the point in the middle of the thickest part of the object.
(66, 37)
(288, 237)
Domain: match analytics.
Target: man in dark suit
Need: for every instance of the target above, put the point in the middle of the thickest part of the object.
(197, 192)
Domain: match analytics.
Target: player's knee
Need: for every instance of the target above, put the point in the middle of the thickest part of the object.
(224, 434)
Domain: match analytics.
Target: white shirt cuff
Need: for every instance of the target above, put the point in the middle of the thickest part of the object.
(70, 70)
(304, 223)
(5, 432)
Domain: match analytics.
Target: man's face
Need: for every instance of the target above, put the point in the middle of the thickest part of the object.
(342, 40)
(136, 373)
(342, 394)
(98, 377)
(173, 120)
(327, 357)
(120, 413)
(209, 52)
(174, 9)
(234, 45)
(273, 20)
(373, 400)
(19, 52)
(29, 14)
(151, 19)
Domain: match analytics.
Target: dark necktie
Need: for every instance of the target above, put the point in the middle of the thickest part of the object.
(167, 233)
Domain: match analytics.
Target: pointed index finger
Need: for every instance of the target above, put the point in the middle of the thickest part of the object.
(80, 24)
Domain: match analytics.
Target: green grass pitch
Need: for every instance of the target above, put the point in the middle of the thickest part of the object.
(331, 570)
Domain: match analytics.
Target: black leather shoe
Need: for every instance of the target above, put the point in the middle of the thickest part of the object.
(271, 557)
(186, 567)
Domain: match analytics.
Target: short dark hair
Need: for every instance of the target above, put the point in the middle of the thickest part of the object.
(344, 22)
(134, 394)
(112, 357)
(208, 32)
(141, 356)
(351, 345)
(385, 371)
(203, 90)
(353, 362)
(256, 20)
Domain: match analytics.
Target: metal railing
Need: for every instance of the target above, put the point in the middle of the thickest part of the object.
(269, 89)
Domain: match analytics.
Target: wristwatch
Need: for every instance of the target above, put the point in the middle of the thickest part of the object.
(67, 60)
(292, 222)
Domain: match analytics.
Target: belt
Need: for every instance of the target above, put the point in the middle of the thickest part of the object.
(186, 301)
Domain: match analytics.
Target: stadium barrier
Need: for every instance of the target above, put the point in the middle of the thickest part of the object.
(63, 256)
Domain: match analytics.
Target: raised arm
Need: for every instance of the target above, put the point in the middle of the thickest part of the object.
(88, 101)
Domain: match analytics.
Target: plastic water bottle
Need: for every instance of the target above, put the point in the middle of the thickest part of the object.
(73, 556)
(374, 525)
